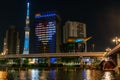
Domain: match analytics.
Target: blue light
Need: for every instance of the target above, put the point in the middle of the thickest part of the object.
(52, 60)
(28, 4)
(78, 40)
(26, 44)
(46, 15)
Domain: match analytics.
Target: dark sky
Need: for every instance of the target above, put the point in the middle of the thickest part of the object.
(102, 17)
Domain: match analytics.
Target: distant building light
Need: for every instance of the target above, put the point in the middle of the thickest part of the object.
(45, 15)
(37, 14)
(78, 40)
(70, 40)
(71, 45)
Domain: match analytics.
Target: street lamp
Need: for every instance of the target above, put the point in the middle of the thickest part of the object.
(116, 40)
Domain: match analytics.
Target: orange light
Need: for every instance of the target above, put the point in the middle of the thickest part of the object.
(38, 14)
(70, 40)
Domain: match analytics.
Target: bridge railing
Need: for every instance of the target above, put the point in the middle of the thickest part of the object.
(72, 54)
(114, 50)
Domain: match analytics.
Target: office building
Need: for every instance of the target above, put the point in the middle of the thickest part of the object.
(47, 32)
(74, 36)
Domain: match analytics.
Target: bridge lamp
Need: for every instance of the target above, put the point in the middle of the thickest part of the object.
(116, 40)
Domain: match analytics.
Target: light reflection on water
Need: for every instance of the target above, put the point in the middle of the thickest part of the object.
(91, 74)
(3, 75)
(108, 75)
(53, 74)
(23, 75)
(33, 74)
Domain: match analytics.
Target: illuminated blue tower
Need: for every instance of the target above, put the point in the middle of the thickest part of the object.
(27, 31)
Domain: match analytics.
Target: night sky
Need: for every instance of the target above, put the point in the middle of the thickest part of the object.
(102, 17)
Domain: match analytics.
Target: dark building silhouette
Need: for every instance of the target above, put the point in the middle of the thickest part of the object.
(11, 41)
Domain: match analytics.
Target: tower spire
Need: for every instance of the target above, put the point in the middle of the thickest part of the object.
(27, 31)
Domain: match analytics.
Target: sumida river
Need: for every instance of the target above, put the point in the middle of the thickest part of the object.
(57, 74)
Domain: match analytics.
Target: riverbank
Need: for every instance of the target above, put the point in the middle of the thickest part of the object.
(80, 67)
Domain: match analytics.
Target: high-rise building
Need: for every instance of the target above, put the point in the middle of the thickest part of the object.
(74, 34)
(47, 31)
(74, 29)
(27, 31)
(11, 41)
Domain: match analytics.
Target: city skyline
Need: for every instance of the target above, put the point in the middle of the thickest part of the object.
(101, 17)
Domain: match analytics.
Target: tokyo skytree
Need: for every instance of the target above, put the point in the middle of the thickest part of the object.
(27, 31)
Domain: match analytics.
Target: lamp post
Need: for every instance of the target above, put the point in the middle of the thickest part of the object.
(93, 47)
(116, 40)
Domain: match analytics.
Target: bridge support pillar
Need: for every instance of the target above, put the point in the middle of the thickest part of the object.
(81, 61)
(21, 62)
(48, 61)
(117, 69)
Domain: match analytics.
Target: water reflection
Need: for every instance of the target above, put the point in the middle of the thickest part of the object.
(23, 75)
(43, 75)
(108, 75)
(87, 74)
(91, 74)
(53, 74)
(33, 74)
(3, 75)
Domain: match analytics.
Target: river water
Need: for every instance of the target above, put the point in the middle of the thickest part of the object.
(58, 74)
